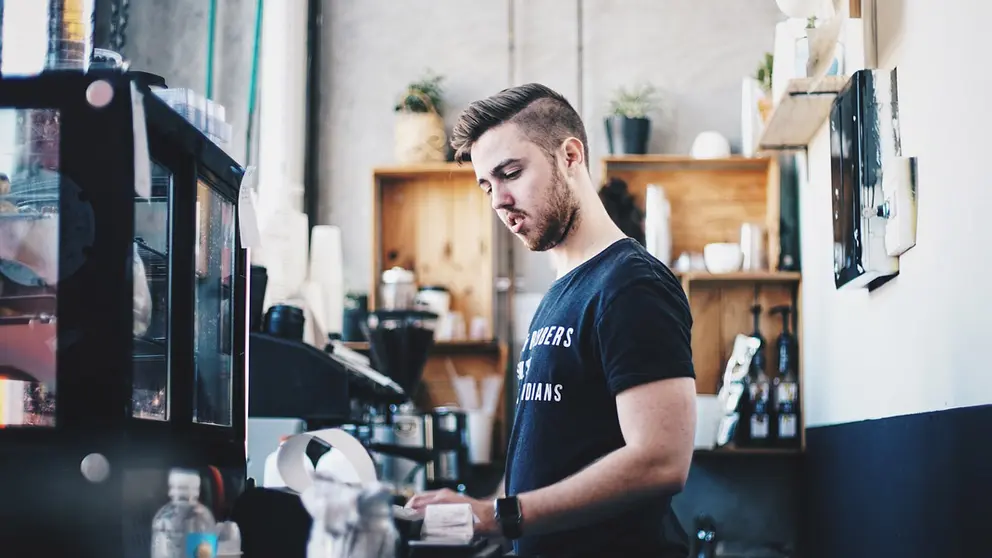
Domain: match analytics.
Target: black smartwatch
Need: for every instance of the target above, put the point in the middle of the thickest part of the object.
(508, 517)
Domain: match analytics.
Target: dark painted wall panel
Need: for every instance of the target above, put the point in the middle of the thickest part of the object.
(753, 498)
(909, 486)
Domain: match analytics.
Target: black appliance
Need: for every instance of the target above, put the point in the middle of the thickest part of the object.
(400, 341)
(856, 153)
(788, 220)
(437, 440)
(450, 467)
(122, 303)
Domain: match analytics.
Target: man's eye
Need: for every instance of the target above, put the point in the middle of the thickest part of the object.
(512, 174)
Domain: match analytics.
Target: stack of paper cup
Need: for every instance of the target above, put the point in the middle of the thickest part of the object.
(480, 435)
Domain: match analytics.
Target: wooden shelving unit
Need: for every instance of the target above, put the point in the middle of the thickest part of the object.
(710, 200)
(434, 219)
(799, 113)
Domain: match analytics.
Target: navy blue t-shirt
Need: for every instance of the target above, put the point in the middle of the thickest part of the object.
(619, 320)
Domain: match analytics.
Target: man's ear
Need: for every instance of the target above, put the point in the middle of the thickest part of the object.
(574, 154)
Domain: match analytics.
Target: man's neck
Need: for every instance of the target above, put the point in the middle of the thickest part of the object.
(593, 233)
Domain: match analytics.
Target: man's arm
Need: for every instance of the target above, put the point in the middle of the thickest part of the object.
(500, 489)
(658, 424)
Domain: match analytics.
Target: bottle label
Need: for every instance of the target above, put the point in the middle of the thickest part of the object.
(787, 392)
(787, 426)
(759, 426)
(201, 545)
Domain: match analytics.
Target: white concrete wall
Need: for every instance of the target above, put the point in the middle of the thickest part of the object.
(696, 51)
(920, 342)
(169, 38)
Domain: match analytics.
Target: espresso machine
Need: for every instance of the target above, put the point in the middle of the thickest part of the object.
(296, 387)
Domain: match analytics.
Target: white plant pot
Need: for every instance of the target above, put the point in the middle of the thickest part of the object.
(802, 59)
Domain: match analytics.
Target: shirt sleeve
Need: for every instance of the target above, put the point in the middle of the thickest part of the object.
(644, 334)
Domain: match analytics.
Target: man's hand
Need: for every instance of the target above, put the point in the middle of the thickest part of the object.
(483, 509)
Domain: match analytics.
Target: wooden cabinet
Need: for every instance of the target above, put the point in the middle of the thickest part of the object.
(436, 221)
(710, 200)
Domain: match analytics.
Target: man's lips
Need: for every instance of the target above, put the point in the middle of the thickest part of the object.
(515, 222)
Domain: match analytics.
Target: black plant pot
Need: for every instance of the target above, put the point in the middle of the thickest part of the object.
(628, 136)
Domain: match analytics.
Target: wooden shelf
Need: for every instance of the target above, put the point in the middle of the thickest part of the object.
(800, 113)
(426, 169)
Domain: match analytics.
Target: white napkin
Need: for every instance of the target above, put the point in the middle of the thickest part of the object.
(448, 522)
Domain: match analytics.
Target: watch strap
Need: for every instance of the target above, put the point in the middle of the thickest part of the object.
(509, 517)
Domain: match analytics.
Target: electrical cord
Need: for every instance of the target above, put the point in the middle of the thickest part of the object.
(253, 84)
(211, 45)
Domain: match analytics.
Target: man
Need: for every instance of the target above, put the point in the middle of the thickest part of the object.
(605, 418)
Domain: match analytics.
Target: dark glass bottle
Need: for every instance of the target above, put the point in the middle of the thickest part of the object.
(788, 423)
(759, 391)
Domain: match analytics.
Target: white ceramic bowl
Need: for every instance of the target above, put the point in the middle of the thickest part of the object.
(723, 257)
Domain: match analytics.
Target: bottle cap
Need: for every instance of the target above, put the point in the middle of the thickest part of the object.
(185, 478)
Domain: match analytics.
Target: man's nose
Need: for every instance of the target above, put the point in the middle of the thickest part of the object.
(501, 198)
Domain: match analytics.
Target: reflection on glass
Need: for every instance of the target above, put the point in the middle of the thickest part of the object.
(29, 256)
(150, 398)
(214, 322)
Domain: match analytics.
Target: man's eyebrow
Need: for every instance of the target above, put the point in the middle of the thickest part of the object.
(498, 169)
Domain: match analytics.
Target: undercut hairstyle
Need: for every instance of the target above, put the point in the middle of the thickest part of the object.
(544, 116)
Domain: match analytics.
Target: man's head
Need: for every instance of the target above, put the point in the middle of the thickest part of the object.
(528, 147)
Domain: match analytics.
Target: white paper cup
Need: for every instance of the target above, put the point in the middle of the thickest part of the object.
(480, 437)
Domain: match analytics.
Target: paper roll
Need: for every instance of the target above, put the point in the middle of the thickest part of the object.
(298, 478)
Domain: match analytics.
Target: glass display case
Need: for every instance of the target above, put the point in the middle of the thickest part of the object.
(122, 313)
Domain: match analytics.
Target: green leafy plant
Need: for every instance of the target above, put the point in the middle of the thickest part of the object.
(811, 22)
(636, 102)
(423, 95)
(764, 72)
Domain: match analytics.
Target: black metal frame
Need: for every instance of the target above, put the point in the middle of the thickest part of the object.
(311, 179)
(46, 501)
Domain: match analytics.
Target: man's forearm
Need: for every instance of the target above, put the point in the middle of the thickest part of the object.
(616, 482)
(500, 489)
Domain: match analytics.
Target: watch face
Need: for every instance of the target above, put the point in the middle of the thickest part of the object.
(507, 507)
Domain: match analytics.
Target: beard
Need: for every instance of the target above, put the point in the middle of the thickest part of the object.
(556, 220)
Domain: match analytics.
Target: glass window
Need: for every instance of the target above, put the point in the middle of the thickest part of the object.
(214, 303)
(151, 273)
(29, 257)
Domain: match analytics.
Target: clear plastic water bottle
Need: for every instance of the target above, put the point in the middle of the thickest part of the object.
(350, 520)
(184, 528)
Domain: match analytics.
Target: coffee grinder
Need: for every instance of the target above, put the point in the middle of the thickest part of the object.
(428, 450)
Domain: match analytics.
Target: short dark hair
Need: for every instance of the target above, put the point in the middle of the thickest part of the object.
(543, 114)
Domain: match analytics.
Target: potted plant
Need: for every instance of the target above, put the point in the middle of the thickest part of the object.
(810, 41)
(420, 136)
(763, 75)
(628, 127)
